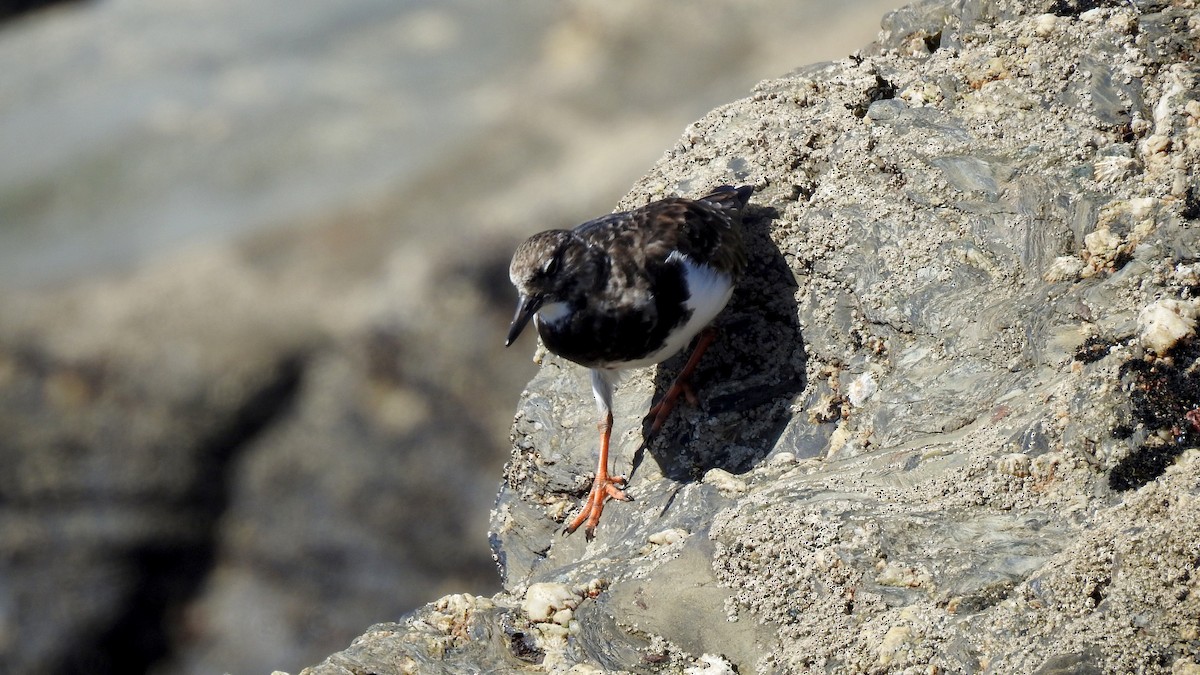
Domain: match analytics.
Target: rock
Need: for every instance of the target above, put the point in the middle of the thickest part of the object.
(1017, 493)
(1044, 25)
(1165, 322)
(710, 664)
(149, 424)
(544, 600)
(121, 417)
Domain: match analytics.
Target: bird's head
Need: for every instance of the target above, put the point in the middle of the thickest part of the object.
(546, 268)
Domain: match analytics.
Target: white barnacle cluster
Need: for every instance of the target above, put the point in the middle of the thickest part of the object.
(549, 610)
(1164, 323)
(1105, 246)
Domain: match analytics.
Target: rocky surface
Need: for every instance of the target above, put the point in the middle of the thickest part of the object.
(253, 295)
(951, 424)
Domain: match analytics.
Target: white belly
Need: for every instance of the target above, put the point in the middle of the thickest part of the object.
(710, 292)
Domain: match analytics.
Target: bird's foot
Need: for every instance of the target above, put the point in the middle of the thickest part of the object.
(604, 487)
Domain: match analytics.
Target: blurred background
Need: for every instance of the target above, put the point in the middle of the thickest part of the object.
(253, 293)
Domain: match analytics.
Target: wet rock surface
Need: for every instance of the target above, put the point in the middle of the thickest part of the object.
(950, 423)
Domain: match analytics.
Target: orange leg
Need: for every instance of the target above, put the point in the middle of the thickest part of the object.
(663, 408)
(603, 487)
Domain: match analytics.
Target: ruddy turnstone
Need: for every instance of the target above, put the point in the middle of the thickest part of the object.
(629, 290)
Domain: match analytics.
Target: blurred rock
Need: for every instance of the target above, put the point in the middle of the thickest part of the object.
(10, 9)
(925, 443)
(219, 452)
(125, 404)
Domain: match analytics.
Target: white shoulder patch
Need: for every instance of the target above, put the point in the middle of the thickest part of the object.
(553, 312)
(709, 290)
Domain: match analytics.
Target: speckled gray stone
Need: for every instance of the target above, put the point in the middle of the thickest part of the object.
(921, 445)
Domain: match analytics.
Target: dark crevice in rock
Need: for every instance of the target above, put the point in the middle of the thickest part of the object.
(933, 42)
(1093, 349)
(1163, 395)
(882, 90)
(1191, 204)
(1076, 7)
(522, 645)
(1143, 465)
(171, 573)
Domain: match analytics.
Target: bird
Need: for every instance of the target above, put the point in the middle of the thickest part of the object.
(630, 290)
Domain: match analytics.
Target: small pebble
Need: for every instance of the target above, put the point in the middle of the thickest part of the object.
(1044, 24)
(543, 600)
(901, 576)
(896, 639)
(1141, 207)
(1165, 322)
(1157, 144)
(1064, 268)
(782, 459)
(667, 537)
(1014, 464)
(552, 631)
(862, 388)
(724, 481)
(1101, 243)
(1113, 168)
(711, 664)
(1122, 24)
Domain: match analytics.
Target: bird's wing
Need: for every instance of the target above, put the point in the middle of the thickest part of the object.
(705, 231)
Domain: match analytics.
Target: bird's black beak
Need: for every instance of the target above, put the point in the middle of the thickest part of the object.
(526, 308)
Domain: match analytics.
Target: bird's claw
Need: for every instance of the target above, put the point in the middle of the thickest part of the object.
(603, 488)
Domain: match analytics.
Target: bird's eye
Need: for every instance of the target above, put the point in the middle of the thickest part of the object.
(551, 266)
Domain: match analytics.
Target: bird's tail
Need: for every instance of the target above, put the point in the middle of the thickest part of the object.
(729, 198)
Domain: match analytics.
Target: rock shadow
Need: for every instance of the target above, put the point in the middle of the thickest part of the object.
(171, 571)
(747, 380)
